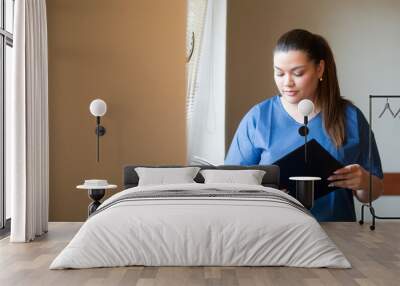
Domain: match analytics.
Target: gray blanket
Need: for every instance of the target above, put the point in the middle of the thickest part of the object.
(206, 193)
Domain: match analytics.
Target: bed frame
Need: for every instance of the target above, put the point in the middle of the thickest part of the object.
(270, 179)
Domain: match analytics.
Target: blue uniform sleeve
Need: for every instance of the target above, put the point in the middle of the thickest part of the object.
(375, 167)
(242, 150)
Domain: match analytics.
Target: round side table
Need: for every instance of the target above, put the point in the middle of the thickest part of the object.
(96, 193)
(305, 190)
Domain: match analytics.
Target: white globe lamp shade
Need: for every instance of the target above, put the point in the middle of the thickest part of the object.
(305, 107)
(98, 107)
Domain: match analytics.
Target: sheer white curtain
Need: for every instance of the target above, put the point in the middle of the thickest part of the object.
(197, 11)
(206, 83)
(27, 124)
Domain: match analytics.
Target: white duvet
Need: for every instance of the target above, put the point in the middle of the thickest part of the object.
(200, 231)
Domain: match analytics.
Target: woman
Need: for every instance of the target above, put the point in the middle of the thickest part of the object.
(304, 68)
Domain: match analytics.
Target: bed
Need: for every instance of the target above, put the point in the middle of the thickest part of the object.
(201, 224)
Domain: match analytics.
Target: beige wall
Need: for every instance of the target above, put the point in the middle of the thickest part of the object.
(132, 55)
(250, 40)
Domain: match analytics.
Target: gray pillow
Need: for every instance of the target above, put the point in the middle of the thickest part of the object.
(162, 176)
(248, 177)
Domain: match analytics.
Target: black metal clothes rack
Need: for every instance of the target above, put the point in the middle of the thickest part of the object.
(369, 205)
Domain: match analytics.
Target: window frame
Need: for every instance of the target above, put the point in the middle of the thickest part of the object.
(6, 39)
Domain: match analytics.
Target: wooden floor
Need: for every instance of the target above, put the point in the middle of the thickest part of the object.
(374, 255)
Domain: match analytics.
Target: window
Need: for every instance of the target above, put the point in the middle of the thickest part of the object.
(6, 62)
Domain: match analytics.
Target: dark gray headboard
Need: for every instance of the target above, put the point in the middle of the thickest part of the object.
(271, 177)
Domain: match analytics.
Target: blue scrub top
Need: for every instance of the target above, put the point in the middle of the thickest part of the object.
(267, 133)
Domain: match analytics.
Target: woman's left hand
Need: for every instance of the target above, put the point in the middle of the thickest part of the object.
(352, 177)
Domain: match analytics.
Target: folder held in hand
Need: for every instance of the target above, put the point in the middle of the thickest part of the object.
(320, 163)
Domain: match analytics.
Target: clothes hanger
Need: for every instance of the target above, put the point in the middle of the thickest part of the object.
(398, 111)
(387, 107)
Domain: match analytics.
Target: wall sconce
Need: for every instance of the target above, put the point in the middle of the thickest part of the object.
(98, 108)
(305, 108)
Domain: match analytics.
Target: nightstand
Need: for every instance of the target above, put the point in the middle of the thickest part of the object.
(96, 193)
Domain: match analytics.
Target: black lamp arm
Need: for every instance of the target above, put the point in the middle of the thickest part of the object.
(303, 131)
(100, 131)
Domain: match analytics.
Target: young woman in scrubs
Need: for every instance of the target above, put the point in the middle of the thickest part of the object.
(304, 68)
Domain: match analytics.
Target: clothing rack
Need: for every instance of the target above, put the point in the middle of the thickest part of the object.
(369, 205)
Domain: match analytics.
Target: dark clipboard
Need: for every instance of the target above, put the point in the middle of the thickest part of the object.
(320, 163)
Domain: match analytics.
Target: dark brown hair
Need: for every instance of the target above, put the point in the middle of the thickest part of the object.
(328, 94)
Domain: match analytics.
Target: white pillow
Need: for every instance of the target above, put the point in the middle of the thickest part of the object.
(162, 176)
(248, 177)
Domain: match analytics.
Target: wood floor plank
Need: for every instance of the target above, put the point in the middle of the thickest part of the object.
(374, 255)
